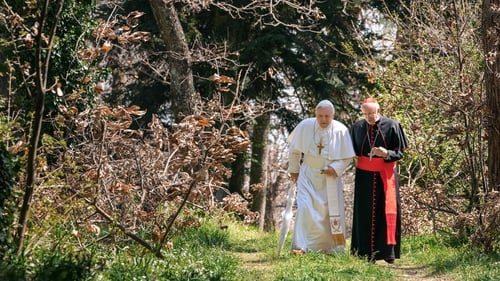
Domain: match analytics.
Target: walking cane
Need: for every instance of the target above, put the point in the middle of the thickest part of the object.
(287, 217)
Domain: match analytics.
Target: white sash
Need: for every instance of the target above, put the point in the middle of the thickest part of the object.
(335, 206)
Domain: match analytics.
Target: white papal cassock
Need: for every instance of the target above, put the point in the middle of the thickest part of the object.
(320, 217)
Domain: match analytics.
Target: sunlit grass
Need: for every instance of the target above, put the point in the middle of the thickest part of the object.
(314, 266)
(227, 250)
(453, 259)
(287, 266)
(425, 256)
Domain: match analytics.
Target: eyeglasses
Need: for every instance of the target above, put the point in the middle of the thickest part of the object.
(369, 113)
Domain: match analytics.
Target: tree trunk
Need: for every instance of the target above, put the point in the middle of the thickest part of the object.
(4, 86)
(274, 207)
(42, 61)
(491, 44)
(259, 164)
(178, 57)
(30, 170)
(237, 181)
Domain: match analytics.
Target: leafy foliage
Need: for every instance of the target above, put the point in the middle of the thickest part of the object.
(57, 266)
(208, 234)
(188, 263)
(446, 255)
(433, 86)
(7, 194)
(132, 182)
(49, 67)
(12, 268)
(105, 184)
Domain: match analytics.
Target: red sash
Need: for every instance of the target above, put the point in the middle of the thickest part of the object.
(386, 170)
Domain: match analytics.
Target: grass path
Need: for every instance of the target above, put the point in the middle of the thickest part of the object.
(259, 259)
(258, 262)
(412, 272)
(424, 258)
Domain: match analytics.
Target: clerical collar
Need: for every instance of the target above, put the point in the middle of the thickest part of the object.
(376, 122)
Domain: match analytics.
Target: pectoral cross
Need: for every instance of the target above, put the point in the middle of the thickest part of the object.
(320, 147)
(371, 155)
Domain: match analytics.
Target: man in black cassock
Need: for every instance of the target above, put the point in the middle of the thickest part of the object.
(378, 142)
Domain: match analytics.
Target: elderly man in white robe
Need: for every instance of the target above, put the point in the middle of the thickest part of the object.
(320, 150)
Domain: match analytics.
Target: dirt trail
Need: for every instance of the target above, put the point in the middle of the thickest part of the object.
(259, 262)
(412, 272)
(404, 272)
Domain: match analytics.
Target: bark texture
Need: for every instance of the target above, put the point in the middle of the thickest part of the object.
(491, 42)
(259, 166)
(178, 57)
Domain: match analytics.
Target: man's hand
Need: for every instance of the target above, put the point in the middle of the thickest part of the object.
(294, 177)
(380, 151)
(329, 171)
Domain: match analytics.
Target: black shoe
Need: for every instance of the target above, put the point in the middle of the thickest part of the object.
(390, 260)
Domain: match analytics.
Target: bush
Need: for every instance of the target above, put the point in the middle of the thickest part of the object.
(196, 254)
(12, 269)
(57, 266)
(179, 264)
(7, 176)
(487, 232)
(207, 235)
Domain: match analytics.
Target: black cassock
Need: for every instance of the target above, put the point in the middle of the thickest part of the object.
(369, 231)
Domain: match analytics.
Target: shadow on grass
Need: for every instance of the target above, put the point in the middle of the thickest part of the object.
(414, 272)
(247, 246)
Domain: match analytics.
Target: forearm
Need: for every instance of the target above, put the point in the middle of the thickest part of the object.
(340, 165)
(294, 162)
(393, 155)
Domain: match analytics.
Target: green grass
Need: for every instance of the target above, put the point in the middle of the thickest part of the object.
(239, 252)
(444, 256)
(423, 256)
(310, 267)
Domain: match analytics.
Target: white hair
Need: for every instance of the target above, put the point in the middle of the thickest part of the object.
(374, 103)
(325, 104)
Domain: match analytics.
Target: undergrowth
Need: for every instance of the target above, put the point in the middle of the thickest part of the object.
(220, 251)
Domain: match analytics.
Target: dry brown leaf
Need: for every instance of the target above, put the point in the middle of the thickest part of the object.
(204, 121)
(18, 146)
(118, 187)
(157, 235)
(226, 79)
(135, 110)
(93, 228)
(104, 110)
(106, 47)
(91, 175)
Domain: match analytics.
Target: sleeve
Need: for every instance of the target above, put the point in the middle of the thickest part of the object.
(294, 145)
(294, 161)
(400, 143)
(355, 139)
(340, 165)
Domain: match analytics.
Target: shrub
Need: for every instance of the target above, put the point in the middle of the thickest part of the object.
(7, 175)
(58, 266)
(12, 268)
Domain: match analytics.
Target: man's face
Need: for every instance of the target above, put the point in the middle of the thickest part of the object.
(324, 116)
(370, 112)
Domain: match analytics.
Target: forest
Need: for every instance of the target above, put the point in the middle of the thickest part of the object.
(126, 123)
